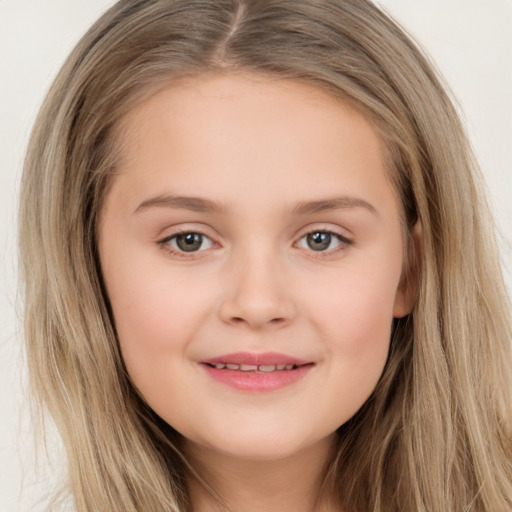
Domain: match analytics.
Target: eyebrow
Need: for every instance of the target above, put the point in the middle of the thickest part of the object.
(199, 204)
(195, 204)
(334, 203)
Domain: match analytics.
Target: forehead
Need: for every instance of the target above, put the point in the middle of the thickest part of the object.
(245, 132)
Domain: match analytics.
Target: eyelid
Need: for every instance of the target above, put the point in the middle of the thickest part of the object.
(326, 227)
(344, 240)
(182, 228)
(164, 244)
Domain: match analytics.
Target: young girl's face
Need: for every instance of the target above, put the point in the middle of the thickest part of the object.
(252, 251)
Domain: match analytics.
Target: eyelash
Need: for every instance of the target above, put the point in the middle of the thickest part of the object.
(165, 243)
(343, 242)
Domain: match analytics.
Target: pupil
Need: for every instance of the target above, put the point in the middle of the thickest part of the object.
(319, 241)
(189, 242)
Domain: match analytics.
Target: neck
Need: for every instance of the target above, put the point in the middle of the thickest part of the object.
(289, 484)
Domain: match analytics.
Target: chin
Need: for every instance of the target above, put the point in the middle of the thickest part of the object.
(259, 446)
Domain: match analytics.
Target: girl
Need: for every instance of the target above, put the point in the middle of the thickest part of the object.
(259, 271)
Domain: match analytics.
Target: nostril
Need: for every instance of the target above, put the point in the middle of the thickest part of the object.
(239, 320)
(272, 321)
(256, 310)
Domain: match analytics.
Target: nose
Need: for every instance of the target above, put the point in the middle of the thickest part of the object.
(256, 294)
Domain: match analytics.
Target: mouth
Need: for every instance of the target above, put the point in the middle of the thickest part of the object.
(257, 372)
(262, 368)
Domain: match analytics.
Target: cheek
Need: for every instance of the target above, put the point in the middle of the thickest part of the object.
(156, 312)
(352, 307)
(155, 326)
(355, 325)
(363, 319)
(355, 318)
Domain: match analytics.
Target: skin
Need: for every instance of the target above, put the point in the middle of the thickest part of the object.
(263, 150)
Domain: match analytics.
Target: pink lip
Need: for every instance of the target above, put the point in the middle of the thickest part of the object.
(264, 358)
(257, 381)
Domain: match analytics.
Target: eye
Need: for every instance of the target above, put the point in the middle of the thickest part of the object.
(321, 241)
(188, 242)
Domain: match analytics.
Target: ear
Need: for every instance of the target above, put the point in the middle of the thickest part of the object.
(407, 290)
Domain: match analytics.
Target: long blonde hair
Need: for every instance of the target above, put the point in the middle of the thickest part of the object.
(436, 433)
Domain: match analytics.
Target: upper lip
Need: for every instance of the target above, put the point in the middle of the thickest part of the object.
(260, 359)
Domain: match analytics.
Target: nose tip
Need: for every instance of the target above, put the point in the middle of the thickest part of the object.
(255, 312)
(257, 299)
(255, 319)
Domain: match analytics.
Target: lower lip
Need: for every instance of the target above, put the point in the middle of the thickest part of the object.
(259, 382)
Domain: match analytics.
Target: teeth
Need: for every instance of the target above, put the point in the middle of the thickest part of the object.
(264, 368)
(248, 367)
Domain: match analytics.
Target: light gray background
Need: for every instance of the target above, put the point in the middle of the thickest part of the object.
(470, 40)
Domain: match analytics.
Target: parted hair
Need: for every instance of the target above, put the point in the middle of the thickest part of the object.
(436, 434)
